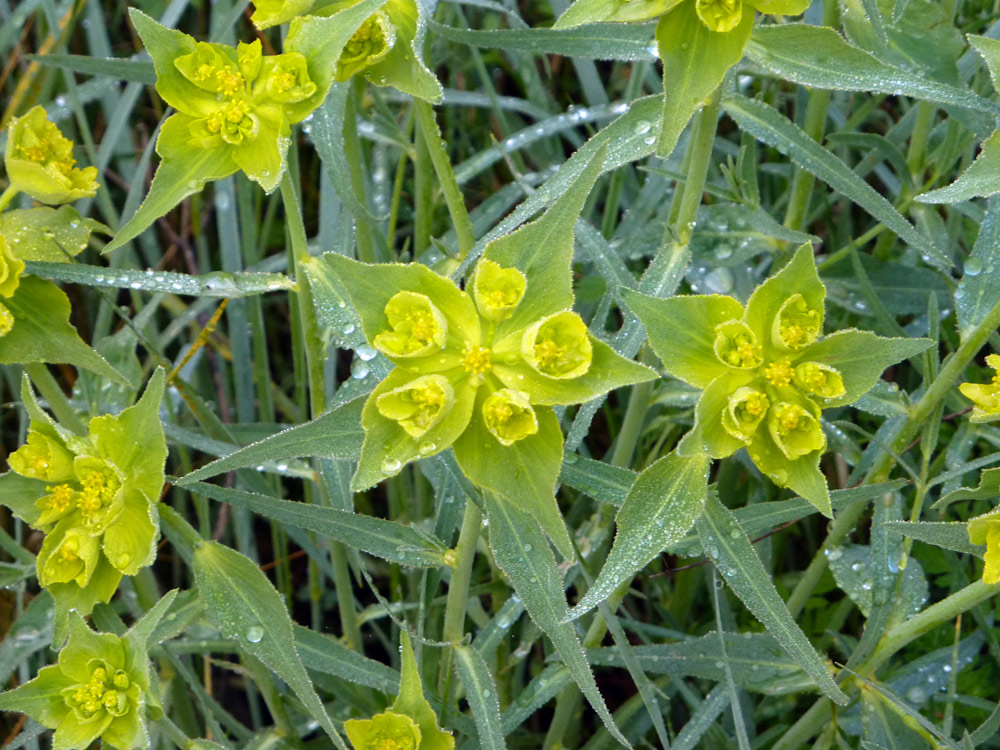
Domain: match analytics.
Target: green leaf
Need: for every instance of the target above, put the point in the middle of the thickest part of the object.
(216, 284)
(980, 180)
(819, 57)
(19, 495)
(386, 539)
(175, 180)
(618, 11)
(521, 551)
(523, 473)
(325, 654)
(658, 511)
(165, 45)
(121, 68)
(603, 482)
(403, 67)
(798, 276)
(241, 602)
(695, 60)
(42, 331)
(861, 357)
(854, 571)
(767, 124)
(681, 332)
(989, 49)
(989, 488)
(951, 535)
(606, 42)
(741, 568)
(976, 293)
(550, 281)
(49, 234)
(336, 434)
(481, 693)
(411, 701)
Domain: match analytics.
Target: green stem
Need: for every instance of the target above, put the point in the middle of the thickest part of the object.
(174, 733)
(53, 394)
(458, 590)
(700, 155)
(7, 196)
(446, 176)
(352, 146)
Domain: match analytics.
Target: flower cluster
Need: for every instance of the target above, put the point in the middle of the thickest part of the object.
(985, 396)
(100, 687)
(94, 497)
(39, 161)
(767, 370)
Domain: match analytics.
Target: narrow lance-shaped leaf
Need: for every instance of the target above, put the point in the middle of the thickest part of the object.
(481, 693)
(245, 607)
(980, 180)
(738, 563)
(662, 505)
(522, 552)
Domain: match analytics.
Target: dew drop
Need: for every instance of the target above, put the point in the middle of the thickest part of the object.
(973, 267)
(255, 634)
(642, 127)
(359, 369)
(427, 448)
(391, 465)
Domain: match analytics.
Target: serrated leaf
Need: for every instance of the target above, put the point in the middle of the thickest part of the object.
(481, 692)
(770, 126)
(741, 568)
(336, 434)
(42, 331)
(241, 602)
(522, 552)
(386, 539)
(659, 510)
(820, 57)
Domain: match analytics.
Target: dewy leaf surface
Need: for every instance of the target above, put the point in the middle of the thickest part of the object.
(733, 554)
(659, 510)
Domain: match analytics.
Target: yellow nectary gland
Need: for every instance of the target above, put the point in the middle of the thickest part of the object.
(419, 405)
(508, 416)
(477, 360)
(100, 693)
(720, 15)
(418, 327)
(817, 379)
(558, 346)
(797, 324)
(736, 345)
(780, 373)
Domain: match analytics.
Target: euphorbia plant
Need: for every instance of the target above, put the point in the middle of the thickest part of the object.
(767, 371)
(479, 369)
(697, 40)
(100, 688)
(985, 397)
(93, 496)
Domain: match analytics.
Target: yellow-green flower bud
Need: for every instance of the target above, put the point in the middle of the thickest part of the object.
(286, 78)
(817, 379)
(736, 345)
(508, 416)
(795, 431)
(40, 162)
(10, 269)
(384, 731)
(986, 530)
(796, 325)
(42, 457)
(68, 556)
(745, 411)
(985, 396)
(211, 70)
(6, 320)
(250, 59)
(558, 346)
(720, 15)
(370, 43)
(418, 327)
(419, 405)
(497, 290)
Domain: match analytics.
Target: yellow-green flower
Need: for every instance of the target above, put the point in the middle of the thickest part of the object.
(39, 161)
(10, 269)
(986, 530)
(985, 396)
(767, 371)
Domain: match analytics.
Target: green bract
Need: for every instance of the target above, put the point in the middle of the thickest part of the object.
(410, 724)
(986, 530)
(767, 371)
(481, 369)
(985, 396)
(100, 688)
(94, 497)
(39, 161)
(384, 48)
(698, 42)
